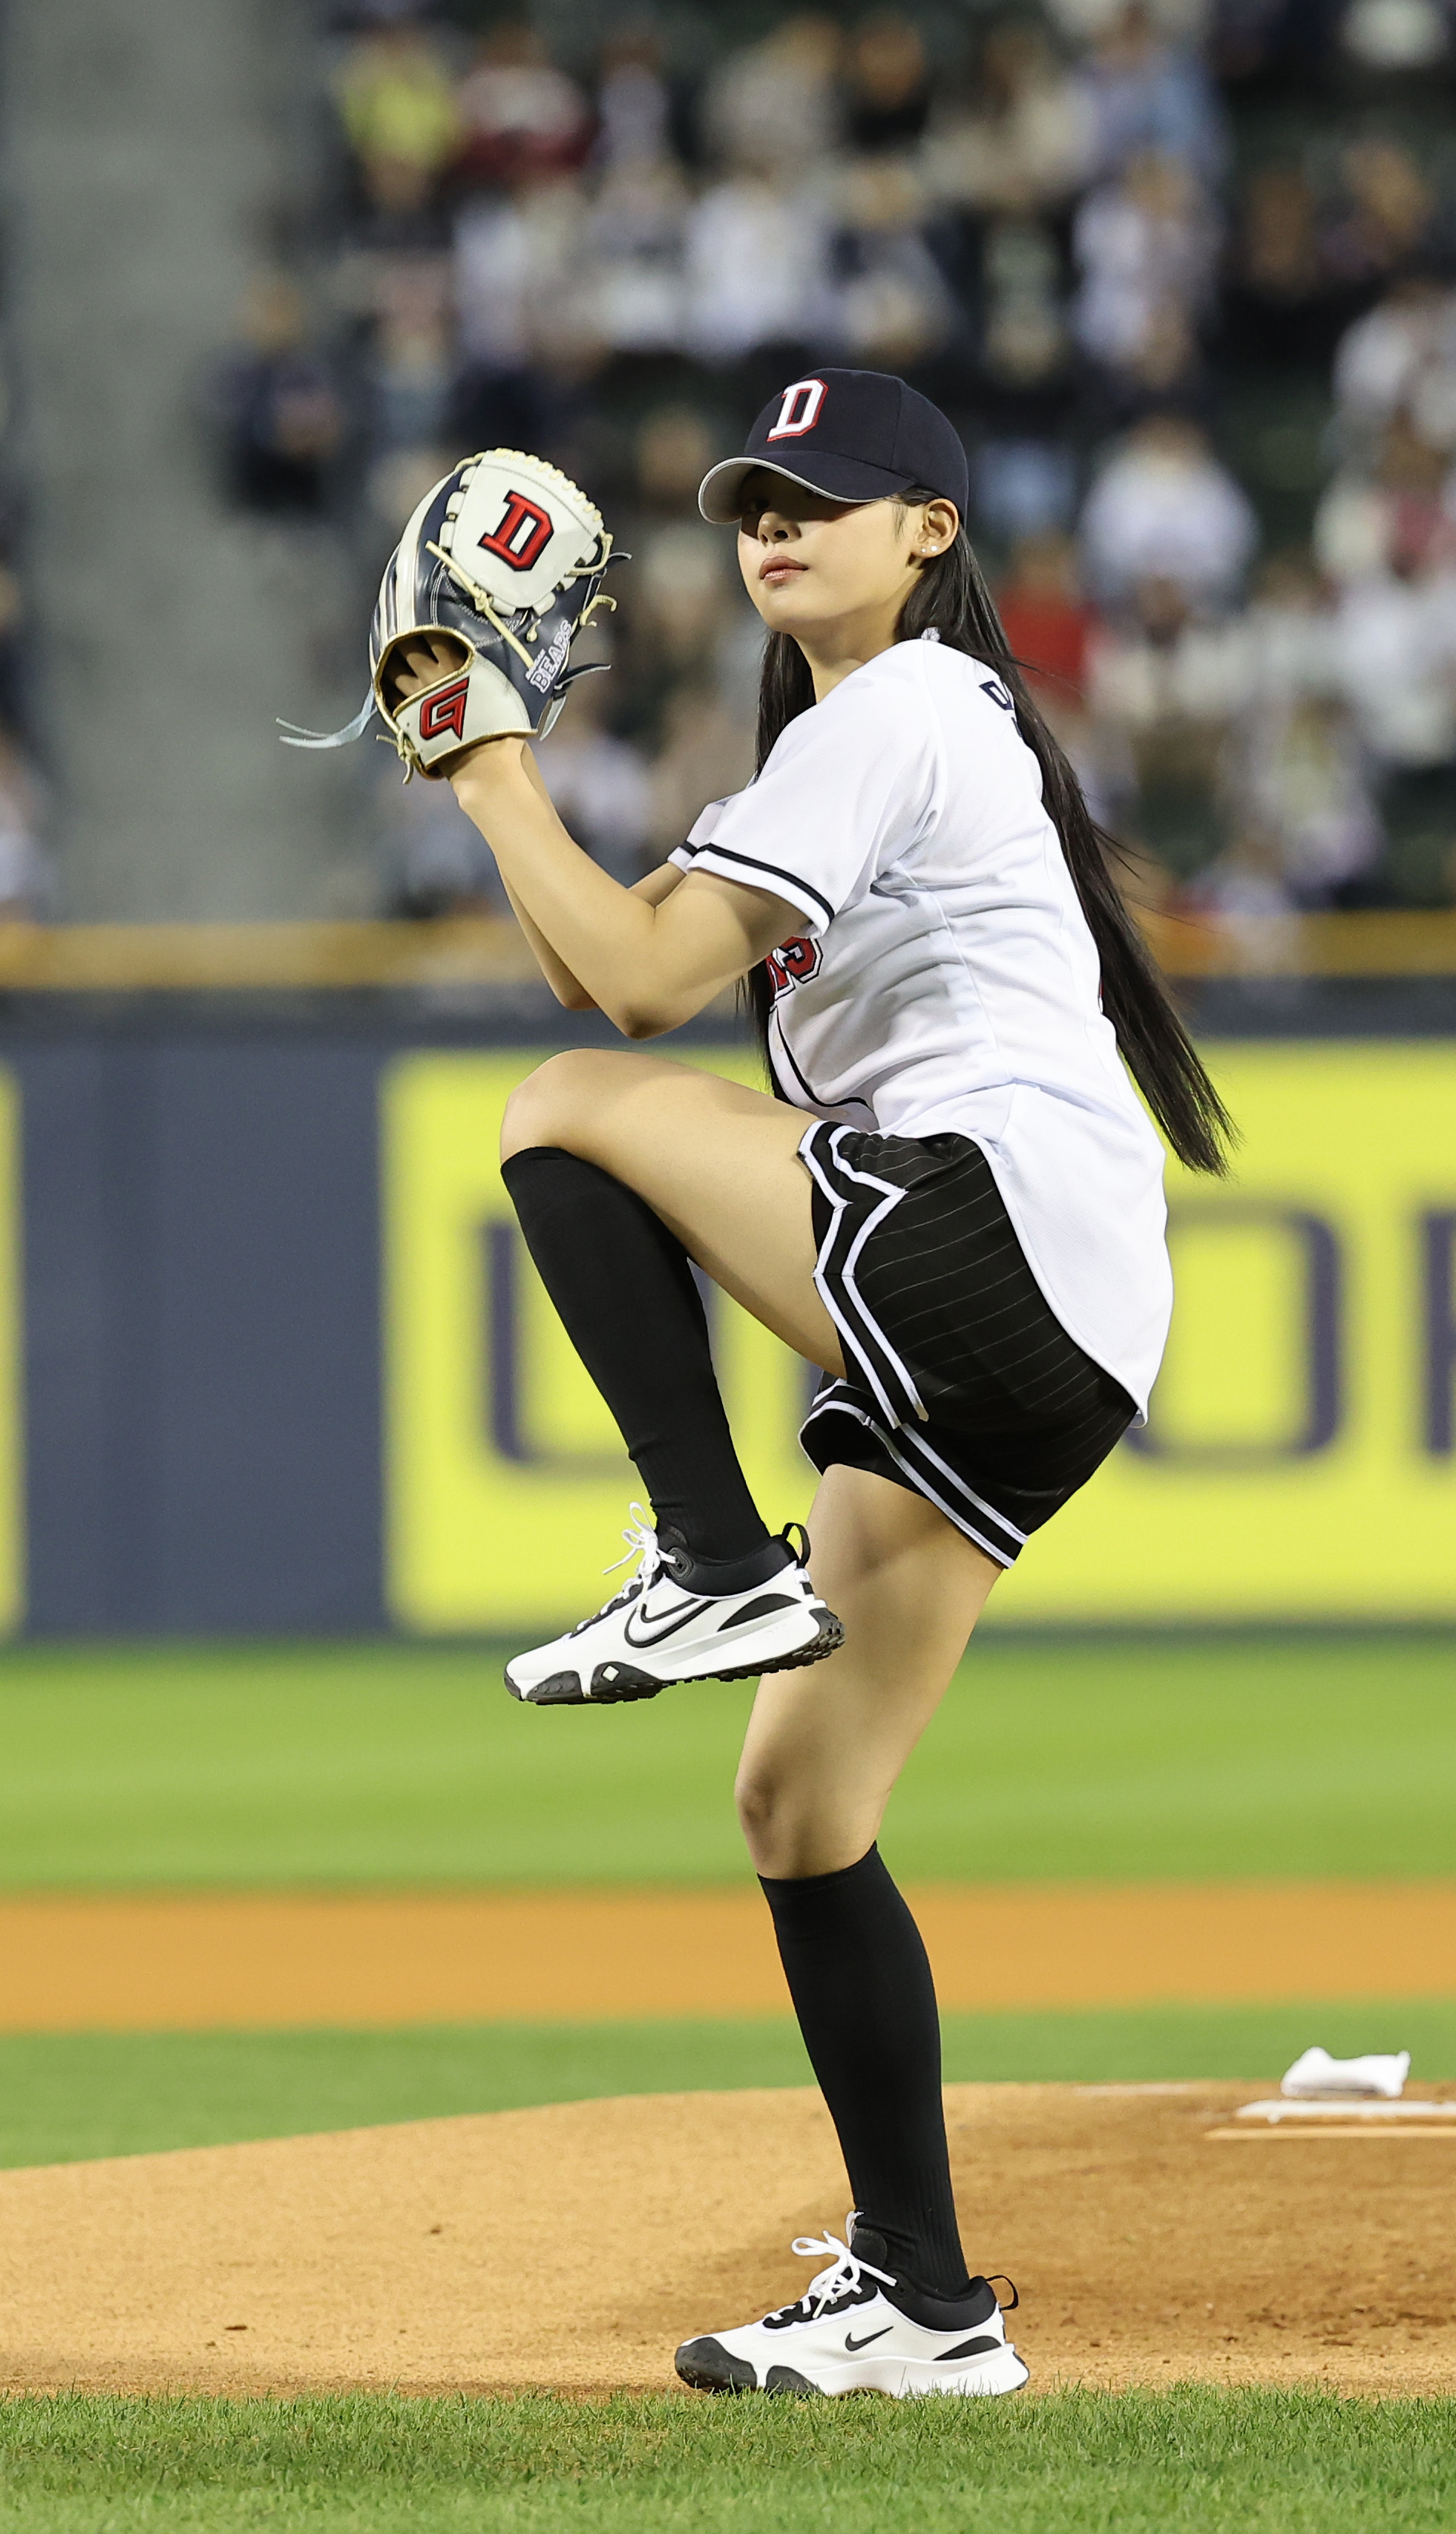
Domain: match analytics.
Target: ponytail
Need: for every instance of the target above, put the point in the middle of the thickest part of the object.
(951, 599)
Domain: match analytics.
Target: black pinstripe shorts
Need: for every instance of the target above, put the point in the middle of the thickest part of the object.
(962, 1384)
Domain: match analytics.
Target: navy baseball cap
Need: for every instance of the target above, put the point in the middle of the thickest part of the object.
(852, 435)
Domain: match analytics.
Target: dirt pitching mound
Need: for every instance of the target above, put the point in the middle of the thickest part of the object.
(574, 2246)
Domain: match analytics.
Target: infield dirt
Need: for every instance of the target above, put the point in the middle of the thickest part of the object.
(571, 2247)
(229, 1960)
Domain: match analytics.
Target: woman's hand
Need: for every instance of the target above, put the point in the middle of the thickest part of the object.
(421, 663)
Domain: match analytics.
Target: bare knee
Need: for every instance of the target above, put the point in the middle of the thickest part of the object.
(547, 1106)
(792, 1830)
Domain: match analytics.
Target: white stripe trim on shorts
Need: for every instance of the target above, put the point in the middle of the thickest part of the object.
(921, 1483)
(868, 1334)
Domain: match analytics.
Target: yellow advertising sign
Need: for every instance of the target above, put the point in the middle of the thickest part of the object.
(1300, 1461)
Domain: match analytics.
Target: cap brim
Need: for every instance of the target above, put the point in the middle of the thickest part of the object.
(839, 479)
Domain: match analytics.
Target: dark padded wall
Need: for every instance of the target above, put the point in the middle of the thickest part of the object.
(202, 1333)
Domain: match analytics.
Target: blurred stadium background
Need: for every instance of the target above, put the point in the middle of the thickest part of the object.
(288, 1441)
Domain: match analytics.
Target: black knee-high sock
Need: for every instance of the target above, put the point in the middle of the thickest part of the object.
(624, 1289)
(861, 1989)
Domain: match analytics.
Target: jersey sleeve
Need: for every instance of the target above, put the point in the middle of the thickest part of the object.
(847, 787)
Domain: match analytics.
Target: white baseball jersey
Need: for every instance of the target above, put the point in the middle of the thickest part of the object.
(946, 981)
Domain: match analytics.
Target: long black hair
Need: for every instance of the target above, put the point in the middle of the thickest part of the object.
(950, 598)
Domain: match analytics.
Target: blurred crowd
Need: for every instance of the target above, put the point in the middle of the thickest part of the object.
(27, 873)
(1183, 272)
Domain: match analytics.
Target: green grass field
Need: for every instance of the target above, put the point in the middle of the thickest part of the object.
(379, 1765)
(384, 1764)
(67, 2096)
(1188, 2462)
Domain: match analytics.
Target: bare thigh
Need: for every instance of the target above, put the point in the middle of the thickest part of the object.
(826, 1745)
(718, 1163)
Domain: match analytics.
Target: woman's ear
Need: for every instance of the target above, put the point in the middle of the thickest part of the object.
(938, 524)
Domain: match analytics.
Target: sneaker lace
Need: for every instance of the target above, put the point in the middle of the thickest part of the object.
(842, 2276)
(642, 1543)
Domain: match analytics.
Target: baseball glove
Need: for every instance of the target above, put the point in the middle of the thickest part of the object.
(506, 557)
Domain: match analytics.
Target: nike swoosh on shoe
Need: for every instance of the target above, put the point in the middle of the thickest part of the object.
(679, 1620)
(850, 2342)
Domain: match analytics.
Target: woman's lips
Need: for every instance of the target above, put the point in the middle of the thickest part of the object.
(779, 569)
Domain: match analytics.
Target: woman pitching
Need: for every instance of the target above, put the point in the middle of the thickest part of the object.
(953, 1206)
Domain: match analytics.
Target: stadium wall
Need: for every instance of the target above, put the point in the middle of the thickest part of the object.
(274, 1361)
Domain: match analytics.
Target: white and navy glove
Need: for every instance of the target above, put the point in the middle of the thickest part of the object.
(505, 558)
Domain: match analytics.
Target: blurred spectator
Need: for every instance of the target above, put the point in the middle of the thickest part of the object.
(13, 664)
(1165, 507)
(775, 106)
(1248, 891)
(1290, 629)
(1146, 245)
(634, 106)
(600, 784)
(517, 257)
(757, 268)
(1169, 681)
(1022, 488)
(1395, 34)
(409, 362)
(1047, 621)
(890, 303)
(1399, 519)
(1397, 635)
(1026, 136)
(1390, 215)
(1178, 22)
(1282, 303)
(706, 751)
(1024, 341)
(635, 239)
(886, 83)
(519, 116)
(523, 293)
(27, 881)
(673, 452)
(399, 114)
(1400, 356)
(1145, 93)
(678, 606)
(1298, 782)
(280, 415)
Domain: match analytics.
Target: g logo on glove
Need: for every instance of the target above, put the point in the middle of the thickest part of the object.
(445, 710)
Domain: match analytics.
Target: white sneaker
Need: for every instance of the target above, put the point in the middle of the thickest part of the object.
(847, 2335)
(661, 1629)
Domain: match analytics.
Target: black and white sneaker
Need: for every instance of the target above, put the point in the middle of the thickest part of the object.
(857, 2329)
(674, 1621)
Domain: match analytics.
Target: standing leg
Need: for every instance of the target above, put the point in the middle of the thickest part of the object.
(823, 1751)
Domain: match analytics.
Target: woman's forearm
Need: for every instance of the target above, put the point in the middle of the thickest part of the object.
(597, 937)
(567, 989)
